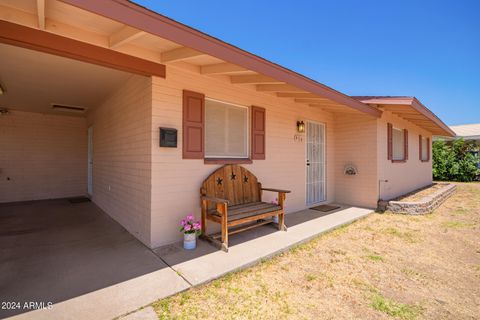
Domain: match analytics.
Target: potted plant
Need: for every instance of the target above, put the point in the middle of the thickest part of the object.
(190, 229)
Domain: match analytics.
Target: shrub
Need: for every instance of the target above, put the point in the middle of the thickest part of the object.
(454, 161)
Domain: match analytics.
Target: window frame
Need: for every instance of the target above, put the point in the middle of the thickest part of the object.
(390, 143)
(420, 148)
(216, 159)
(404, 156)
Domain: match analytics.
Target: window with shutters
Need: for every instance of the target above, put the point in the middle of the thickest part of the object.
(424, 148)
(226, 130)
(398, 144)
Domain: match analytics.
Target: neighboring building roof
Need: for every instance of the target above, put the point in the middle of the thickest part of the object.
(467, 131)
(411, 109)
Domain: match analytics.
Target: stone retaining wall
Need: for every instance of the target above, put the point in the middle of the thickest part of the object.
(425, 205)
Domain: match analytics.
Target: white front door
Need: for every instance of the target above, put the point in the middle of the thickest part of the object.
(315, 162)
(90, 162)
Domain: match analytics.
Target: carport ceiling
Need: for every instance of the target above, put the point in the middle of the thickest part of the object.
(33, 81)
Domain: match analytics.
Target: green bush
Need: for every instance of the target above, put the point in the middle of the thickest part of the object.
(454, 161)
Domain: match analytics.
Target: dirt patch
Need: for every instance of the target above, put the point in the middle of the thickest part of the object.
(385, 266)
(421, 193)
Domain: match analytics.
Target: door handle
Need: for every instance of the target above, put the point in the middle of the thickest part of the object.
(308, 162)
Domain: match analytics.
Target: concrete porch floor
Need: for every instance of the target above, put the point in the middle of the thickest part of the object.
(88, 266)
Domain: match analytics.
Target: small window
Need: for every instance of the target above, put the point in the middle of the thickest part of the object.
(398, 144)
(226, 130)
(424, 149)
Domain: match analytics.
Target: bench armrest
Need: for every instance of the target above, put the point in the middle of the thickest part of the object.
(213, 199)
(276, 190)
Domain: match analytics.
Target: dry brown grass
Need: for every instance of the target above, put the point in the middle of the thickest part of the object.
(421, 193)
(384, 266)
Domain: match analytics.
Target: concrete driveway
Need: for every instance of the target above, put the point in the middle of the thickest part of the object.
(55, 252)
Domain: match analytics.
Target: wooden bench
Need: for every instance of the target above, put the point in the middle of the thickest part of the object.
(232, 197)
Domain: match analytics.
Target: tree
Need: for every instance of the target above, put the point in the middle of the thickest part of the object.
(454, 161)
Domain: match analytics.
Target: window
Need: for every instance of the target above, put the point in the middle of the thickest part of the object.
(424, 149)
(397, 144)
(226, 130)
(398, 141)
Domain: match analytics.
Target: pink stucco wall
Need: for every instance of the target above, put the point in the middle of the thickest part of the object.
(356, 144)
(402, 177)
(121, 155)
(42, 156)
(176, 182)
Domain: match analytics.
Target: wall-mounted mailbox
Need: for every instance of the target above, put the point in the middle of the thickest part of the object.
(168, 137)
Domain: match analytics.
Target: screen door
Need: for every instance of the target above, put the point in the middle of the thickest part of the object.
(315, 162)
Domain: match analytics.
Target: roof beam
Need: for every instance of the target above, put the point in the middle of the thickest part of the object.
(124, 35)
(253, 79)
(278, 88)
(311, 100)
(334, 105)
(296, 95)
(221, 68)
(34, 39)
(41, 14)
(180, 54)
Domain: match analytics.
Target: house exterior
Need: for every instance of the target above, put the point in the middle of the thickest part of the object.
(90, 86)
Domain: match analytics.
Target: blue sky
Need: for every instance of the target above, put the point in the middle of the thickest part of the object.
(428, 49)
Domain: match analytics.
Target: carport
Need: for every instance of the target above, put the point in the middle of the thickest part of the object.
(56, 241)
(56, 252)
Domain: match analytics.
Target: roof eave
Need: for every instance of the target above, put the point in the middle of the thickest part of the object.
(417, 105)
(141, 18)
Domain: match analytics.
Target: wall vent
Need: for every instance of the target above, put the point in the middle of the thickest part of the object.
(68, 108)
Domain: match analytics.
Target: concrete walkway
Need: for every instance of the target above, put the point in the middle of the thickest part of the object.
(172, 269)
(206, 263)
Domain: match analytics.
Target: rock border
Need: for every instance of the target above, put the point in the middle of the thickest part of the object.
(424, 206)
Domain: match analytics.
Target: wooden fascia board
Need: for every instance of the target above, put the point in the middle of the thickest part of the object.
(418, 106)
(141, 18)
(25, 37)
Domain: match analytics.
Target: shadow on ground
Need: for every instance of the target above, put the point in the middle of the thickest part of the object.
(51, 251)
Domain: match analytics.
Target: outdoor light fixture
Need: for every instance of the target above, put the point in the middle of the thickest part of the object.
(300, 126)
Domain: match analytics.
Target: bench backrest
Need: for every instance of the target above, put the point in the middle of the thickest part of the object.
(233, 183)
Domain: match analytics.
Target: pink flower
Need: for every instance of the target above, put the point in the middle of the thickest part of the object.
(188, 227)
(190, 217)
(197, 225)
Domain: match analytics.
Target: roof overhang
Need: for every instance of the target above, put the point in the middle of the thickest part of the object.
(21, 36)
(193, 41)
(411, 109)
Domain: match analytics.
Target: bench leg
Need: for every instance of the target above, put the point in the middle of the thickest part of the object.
(224, 235)
(222, 208)
(204, 217)
(281, 222)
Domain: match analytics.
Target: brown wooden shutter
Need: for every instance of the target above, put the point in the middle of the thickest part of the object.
(193, 125)
(405, 141)
(389, 141)
(258, 133)
(428, 149)
(420, 147)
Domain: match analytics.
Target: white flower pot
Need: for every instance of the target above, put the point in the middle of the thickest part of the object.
(189, 241)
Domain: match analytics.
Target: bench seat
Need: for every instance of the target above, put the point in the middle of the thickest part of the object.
(246, 210)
